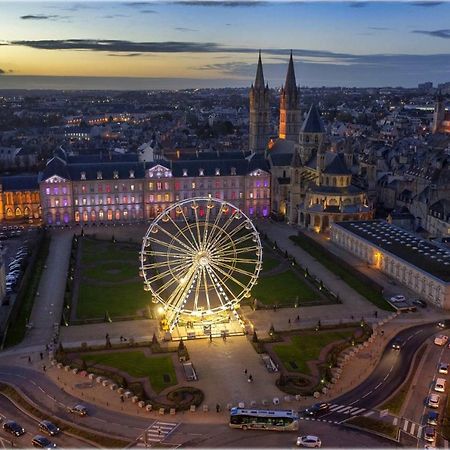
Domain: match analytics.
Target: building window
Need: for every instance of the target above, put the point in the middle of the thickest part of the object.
(132, 187)
(83, 188)
(125, 199)
(109, 214)
(201, 172)
(217, 171)
(76, 202)
(84, 201)
(167, 197)
(108, 188)
(233, 171)
(47, 191)
(108, 200)
(64, 190)
(166, 185)
(99, 175)
(115, 174)
(177, 185)
(131, 173)
(150, 185)
(159, 186)
(151, 198)
(193, 185)
(184, 172)
(83, 175)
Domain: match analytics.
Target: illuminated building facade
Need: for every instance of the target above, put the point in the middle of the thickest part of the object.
(89, 190)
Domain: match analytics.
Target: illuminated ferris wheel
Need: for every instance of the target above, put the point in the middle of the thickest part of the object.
(200, 257)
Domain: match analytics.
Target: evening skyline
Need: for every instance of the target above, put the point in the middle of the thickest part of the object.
(131, 45)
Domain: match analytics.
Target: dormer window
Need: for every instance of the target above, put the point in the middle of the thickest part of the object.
(99, 175)
(115, 174)
(217, 171)
(184, 172)
(83, 175)
(233, 171)
(201, 172)
(131, 173)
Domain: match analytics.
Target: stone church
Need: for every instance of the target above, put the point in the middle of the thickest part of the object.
(311, 182)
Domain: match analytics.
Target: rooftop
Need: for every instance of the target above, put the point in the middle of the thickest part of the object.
(418, 252)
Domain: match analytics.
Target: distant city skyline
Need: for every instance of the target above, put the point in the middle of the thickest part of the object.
(182, 44)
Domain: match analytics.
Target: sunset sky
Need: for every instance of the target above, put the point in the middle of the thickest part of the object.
(187, 43)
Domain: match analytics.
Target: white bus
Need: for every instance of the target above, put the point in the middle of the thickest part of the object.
(258, 419)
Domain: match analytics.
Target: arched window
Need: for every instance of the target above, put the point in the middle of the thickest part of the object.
(18, 212)
(334, 181)
(117, 215)
(26, 212)
(109, 214)
(77, 216)
(93, 215)
(125, 214)
(49, 218)
(101, 214)
(85, 216)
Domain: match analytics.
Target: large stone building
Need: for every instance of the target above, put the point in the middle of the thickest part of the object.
(19, 198)
(89, 189)
(441, 117)
(420, 265)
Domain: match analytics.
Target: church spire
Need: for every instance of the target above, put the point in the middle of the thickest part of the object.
(259, 80)
(291, 84)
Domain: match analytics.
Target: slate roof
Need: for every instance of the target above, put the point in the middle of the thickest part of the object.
(337, 166)
(20, 183)
(281, 159)
(313, 123)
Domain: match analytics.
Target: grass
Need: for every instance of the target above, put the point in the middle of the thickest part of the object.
(385, 428)
(269, 263)
(17, 328)
(115, 271)
(136, 364)
(307, 347)
(282, 288)
(119, 300)
(115, 263)
(102, 441)
(356, 283)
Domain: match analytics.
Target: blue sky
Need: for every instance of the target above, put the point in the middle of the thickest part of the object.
(334, 43)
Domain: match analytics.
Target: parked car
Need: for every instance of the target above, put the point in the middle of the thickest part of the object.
(430, 434)
(309, 441)
(13, 427)
(42, 442)
(49, 427)
(434, 400)
(317, 409)
(443, 368)
(398, 298)
(79, 410)
(441, 340)
(432, 418)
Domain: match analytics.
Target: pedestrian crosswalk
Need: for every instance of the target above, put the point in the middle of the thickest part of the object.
(339, 413)
(156, 432)
(409, 427)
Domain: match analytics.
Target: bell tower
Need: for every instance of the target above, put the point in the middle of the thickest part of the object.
(259, 128)
(290, 116)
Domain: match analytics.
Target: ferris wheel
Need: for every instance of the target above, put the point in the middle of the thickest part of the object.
(200, 257)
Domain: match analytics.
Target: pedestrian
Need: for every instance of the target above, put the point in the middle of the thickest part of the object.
(159, 431)
(107, 336)
(289, 321)
(29, 359)
(297, 318)
(375, 314)
(210, 337)
(121, 338)
(217, 408)
(382, 332)
(250, 378)
(41, 355)
(46, 347)
(122, 399)
(44, 368)
(245, 371)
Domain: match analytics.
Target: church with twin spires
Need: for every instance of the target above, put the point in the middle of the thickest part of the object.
(311, 182)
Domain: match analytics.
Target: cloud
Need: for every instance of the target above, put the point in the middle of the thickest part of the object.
(184, 29)
(42, 17)
(358, 4)
(445, 34)
(221, 3)
(426, 3)
(148, 11)
(137, 4)
(125, 46)
(380, 28)
(113, 16)
(128, 55)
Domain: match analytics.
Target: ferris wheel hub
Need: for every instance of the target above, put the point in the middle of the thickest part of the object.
(202, 258)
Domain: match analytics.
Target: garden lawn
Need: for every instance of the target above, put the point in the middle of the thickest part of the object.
(118, 300)
(136, 364)
(100, 251)
(307, 347)
(115, 271)
(269, 263)
(282, 288)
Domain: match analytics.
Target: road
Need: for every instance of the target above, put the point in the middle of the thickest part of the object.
(10, 412)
